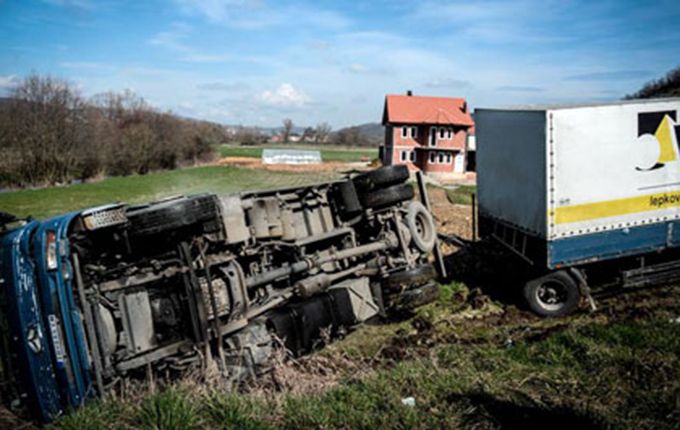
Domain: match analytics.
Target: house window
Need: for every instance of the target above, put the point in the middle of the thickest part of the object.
(413, 156)
(442, 133)
(450, 133)
(404, 155)
(433, 136)
(404, 132)
(448, 158)
(433, 157)
(441, 158)
(414, 132)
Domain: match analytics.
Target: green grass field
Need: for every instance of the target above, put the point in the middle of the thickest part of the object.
(617, 369)
(328, 153)
(47, 202)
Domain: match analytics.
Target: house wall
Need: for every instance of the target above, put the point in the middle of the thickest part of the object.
(457, 139)
(405, 144)
(445, 166)
(395, 144)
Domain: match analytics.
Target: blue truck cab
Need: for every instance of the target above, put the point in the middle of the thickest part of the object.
(45, 357)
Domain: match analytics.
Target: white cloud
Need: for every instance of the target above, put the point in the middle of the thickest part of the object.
(8, 81)
(85, 65)
(448, 83)
(224, 86)
(358, 68)
(255, 14)
(72, 4)
(173, 39)
(284, 96)
(214, 10)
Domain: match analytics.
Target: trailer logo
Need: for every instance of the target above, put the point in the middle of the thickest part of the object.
(662, 128)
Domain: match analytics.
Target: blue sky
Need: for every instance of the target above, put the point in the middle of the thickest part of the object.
(259, 61)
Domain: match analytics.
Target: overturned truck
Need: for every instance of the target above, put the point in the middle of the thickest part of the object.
(98, 295)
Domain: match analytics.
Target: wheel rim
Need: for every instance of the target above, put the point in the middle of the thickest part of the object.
(420, 225)
(551, 295)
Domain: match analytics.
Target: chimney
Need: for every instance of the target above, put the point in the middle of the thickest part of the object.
(409, 93)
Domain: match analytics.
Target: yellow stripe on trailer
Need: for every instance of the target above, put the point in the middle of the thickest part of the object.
(610, 208)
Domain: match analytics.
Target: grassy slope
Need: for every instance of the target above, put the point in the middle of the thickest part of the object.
(462, 194)
(134, 189)
(585, 372)
(345, 154)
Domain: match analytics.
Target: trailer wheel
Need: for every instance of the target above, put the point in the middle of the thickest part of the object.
(380, 178)
(553, 295)
(387, 196)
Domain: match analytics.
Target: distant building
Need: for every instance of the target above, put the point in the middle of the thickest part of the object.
(426, 133)
(291, 156)
(276, 138)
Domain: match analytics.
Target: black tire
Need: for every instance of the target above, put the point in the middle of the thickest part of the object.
(173, 215)
(387, 196)
(404, 280)
(414, 298)
(381, 178)
(421, 225)
(553, 295)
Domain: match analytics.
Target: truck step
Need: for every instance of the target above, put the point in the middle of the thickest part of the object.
(652, 275)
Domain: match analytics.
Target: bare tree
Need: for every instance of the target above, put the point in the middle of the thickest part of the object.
(323, 131)
(47, 125)
(49, 134)
(248, 136)
(350, 136)
(287, 129)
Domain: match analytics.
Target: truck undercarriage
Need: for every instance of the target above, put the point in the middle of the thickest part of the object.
(163, 286)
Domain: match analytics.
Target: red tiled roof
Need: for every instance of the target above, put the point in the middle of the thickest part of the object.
(400, 109)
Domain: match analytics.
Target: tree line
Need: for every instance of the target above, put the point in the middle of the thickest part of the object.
(50, 134)
(666, 86)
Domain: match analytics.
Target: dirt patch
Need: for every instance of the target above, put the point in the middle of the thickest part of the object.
(328, 166)
(450, 218)
(309, 375)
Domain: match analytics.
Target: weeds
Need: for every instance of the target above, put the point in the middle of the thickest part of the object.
(172, 409)
(499, 371)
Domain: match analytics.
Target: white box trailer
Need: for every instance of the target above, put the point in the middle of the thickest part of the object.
(567, 185)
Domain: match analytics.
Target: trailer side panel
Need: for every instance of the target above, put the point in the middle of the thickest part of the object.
(511, 168)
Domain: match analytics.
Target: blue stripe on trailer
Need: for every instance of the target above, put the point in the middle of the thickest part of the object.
(613, 244)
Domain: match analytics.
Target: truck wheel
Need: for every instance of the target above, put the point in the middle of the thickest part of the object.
(380, 178)
(421, 226)
(387, 196)
(172, 215)
(553, 295)
(406, 279)
(414, 298)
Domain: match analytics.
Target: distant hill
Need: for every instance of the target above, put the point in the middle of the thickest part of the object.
(369, 134)
(372, 130)
(668, 86)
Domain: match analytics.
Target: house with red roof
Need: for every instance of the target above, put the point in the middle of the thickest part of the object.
(426, 133)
